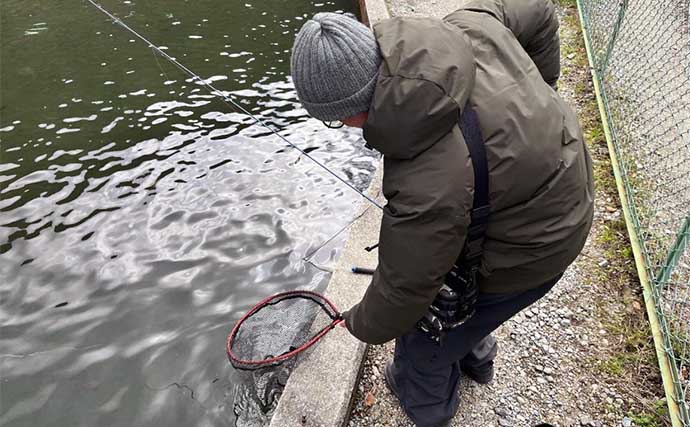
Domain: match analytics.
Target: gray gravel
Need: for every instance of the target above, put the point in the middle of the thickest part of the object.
(438, 8)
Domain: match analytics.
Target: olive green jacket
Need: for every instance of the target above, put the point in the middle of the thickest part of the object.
(503, 58)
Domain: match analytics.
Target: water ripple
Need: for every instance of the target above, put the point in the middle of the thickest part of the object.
(140, 216)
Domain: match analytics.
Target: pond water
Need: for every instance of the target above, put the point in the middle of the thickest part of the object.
(140, 216)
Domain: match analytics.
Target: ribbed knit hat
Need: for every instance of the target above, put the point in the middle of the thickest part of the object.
(335, 61)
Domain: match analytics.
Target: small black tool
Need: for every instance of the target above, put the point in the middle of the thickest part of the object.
(371, 248)
(360, 270)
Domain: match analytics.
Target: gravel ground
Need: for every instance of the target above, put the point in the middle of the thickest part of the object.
(438, 8)
(582, 355)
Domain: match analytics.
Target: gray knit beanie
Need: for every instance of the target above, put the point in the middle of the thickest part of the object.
(335, 61)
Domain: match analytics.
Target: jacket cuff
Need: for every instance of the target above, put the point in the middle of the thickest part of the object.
(348, 316)
(362, 331)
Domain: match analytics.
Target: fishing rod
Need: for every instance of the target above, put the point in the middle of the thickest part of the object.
(227, 99)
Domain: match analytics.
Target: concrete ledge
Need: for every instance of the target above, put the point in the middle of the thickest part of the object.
(373, 11)
(319, 391)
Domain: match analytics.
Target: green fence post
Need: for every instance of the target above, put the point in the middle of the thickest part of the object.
(614, 36)
(672, 260)
(678, 248)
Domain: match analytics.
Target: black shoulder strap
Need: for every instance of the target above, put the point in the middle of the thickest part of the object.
(469, 125)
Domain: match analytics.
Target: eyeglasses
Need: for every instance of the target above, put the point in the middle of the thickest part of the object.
(335, 124)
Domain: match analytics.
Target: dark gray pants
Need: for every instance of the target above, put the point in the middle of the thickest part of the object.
(427, 374)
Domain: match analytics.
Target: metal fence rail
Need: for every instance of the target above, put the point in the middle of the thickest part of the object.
(639, 51)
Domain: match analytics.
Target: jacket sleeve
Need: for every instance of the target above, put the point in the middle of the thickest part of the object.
(422, 232)
(535, 25)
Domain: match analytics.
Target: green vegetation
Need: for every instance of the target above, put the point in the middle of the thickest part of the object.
(654, 417)
(568, 3)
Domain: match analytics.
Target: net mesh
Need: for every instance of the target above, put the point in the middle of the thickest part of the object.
(641, 59)
(277, 327)
(256, 393)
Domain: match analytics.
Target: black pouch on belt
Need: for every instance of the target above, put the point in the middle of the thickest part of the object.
(455, 302)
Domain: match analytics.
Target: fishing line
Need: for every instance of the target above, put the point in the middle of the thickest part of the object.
(153, 52)
(307, 258)
(228, 100)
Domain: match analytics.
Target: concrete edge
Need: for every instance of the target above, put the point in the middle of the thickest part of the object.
(320, 390)
(373, 11)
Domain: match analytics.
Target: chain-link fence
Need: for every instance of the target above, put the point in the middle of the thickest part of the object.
(640, 54)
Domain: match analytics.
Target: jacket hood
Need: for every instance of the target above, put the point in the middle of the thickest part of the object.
(425, 79)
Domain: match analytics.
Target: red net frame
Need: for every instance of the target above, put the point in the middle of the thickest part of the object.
(326, 306)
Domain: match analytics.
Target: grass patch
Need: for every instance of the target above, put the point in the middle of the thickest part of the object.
(568, 3)
(613, 366)
(581, 88)
(567, 50)
(652, 417)
(595, 135)
(575, 52)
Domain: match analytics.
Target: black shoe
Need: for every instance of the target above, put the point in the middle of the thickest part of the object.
(390, 380)
(482, 374)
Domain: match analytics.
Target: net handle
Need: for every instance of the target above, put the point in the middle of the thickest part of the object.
(336, 320)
